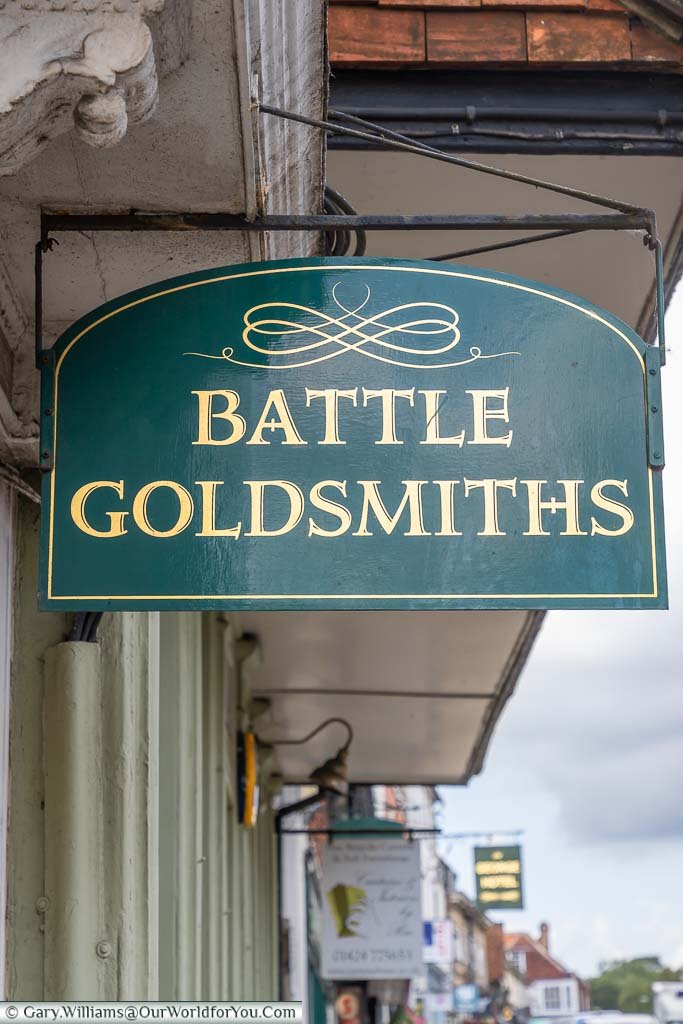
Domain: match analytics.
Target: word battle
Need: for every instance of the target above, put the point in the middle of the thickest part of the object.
(331, 507)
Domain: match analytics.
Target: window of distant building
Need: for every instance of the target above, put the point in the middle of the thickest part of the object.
(552, 997)
(517, 960)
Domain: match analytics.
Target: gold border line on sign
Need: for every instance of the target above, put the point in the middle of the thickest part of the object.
(337, 597)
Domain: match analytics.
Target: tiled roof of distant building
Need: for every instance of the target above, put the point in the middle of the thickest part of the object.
(542, 965)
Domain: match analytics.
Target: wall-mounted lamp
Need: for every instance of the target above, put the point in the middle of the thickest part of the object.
(247, 779)
(334, 773)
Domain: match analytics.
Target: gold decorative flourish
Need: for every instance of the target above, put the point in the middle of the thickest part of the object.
(313, 331)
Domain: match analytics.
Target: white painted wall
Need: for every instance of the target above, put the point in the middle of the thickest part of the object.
(518, 992)
(293, 880)
(420, 814)
(554, 998)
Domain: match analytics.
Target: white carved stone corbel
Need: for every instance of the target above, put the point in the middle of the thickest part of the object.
(95, 71)
(88, 64)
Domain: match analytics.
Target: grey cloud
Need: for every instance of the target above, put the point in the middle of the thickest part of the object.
(604, 736)
(626, 795)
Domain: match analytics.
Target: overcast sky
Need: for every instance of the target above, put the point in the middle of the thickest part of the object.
(588, 760)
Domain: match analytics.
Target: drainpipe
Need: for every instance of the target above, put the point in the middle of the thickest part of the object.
(80, 957)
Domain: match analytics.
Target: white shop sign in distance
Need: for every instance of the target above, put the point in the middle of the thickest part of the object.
(372, 919)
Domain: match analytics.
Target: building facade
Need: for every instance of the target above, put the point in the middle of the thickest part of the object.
(470, 926)
(554, 991)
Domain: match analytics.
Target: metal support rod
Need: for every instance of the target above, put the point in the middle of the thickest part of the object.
(513, 243)
(393, 140)
(142, 221)
(403, 694)
(38, 299)
(659, 279)
(434, 153)
(45, 244)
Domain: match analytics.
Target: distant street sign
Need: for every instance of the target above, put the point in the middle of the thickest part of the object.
(361, 434)
(465, 998)
(438, 942)
(498, 874)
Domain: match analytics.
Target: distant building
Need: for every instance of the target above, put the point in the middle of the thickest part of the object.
(503, 975)
(470, 963)
(516, 992)
(554, 990)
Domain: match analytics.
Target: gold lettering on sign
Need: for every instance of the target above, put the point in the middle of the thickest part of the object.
(433, 405)
(284, 422)
(208, 489)
(570, 506)
(229, 413)
(412, 497)
(509, 896)
(481, 414)
(388, 398)
(185, 508)
(334, 508)
(115, 518)
(296, 507)
(447, 511)
(318, 500)
(486, 867)
(331, 398)
(490, 489)
(610, 505)
(499, 882)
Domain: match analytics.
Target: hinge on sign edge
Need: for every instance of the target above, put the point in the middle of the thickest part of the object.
(47, 410)
(653, 410)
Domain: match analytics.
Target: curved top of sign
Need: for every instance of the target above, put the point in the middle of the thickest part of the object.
(420, 319)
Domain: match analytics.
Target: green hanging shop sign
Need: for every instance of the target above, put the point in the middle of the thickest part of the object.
(351, 433)
(498, 877)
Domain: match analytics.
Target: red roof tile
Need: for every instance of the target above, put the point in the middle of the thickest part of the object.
(368, 35)
(649, 46)
(458, 37)
(461, 33)
(572, 38)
